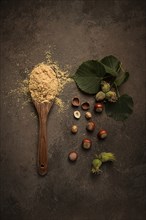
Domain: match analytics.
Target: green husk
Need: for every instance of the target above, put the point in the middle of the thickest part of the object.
(104, 157)
(96, 163)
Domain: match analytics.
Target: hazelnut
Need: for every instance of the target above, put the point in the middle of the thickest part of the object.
(72, 156)
(100, 96)
(88, 115)
(86, 143)
(98, 107)
(102, 134)
(105, 86)
(74, 129)
(90, 126)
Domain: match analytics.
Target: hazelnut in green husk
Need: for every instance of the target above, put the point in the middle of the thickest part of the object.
(100, 96)
(105, 87)
(96, 163)
(111, 96)
(101, 158)
(104, 157)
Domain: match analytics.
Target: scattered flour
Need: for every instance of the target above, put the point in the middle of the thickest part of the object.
(24, 87)
(43, 83)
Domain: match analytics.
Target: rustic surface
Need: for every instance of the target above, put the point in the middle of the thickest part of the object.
(79, 30)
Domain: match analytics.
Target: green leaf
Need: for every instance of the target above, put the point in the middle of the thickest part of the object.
(89, 76)
(111, 64)
(121, 109)
(121, 78)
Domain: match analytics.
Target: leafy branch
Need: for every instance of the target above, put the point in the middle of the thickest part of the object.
(90, 76)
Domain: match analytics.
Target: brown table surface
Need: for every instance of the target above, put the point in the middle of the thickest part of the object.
(77, 31)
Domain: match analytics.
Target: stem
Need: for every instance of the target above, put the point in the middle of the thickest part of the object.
(121, 68)
(117, 91)
(113, 82)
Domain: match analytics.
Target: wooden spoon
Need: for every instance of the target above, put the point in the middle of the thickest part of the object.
(43, 110)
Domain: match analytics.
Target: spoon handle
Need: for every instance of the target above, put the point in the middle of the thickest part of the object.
(43, 110)
(42, 146)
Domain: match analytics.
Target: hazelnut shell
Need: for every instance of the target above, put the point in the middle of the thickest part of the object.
(85, 105)
(77, 114)
(75, 102)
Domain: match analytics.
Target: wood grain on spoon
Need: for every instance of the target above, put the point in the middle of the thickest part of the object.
(43, 110)
(43, 86)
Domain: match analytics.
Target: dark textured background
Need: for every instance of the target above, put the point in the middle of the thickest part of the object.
(79, 30)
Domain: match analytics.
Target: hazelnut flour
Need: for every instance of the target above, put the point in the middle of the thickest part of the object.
(43, 83)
